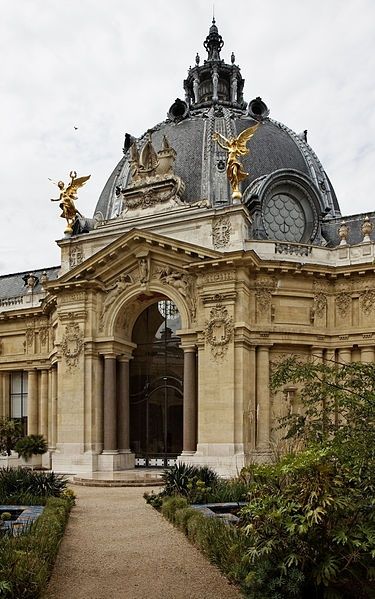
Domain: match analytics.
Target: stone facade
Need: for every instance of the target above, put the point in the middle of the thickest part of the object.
(245, 300)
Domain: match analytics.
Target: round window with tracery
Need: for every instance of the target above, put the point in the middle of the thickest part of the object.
(284, 218)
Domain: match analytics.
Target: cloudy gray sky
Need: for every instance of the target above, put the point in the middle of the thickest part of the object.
(111, 66)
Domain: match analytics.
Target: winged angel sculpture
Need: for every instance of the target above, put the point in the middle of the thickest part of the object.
(67, 198)
(236, 146)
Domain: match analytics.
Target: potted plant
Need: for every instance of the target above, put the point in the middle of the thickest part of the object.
(31, 445)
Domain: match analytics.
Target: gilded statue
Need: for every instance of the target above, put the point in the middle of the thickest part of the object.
(235, 146)
(67, 198)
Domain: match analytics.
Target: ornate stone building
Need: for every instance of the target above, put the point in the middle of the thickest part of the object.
(155, 338)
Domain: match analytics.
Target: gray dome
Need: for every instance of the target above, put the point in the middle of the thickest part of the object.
(214, 103)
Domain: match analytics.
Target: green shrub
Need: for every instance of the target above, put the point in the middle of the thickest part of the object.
(31, 445)
(171, 505)
(10, 432)
(26, 560)
(182, 517)
(23, 486)
(182, 479)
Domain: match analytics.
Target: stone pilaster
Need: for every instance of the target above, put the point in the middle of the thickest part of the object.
(6, 395)
(32, 402)
(43, 412)
(263, 398)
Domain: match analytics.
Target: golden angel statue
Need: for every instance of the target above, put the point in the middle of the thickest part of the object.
(235, 146)
(67, 198)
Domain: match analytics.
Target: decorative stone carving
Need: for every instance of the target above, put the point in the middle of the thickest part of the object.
(263, 297)
(221, 231)
(76, 256)
(367, 228)
(367, 301)
(153, 181)
(29, 335)
(143, 270)
(72, 344)
(343, 302)
(343, 232)
(320, 305)
(112, 293)
(183, 283)
(219, 330)
(43, 334)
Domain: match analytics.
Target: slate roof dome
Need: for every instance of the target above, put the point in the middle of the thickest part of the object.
(285, 175)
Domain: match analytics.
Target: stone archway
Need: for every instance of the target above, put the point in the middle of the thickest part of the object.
(156, 386)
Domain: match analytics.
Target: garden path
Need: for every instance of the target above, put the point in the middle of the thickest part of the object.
(118, 547)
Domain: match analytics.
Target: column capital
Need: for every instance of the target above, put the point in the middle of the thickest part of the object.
(110, 355)
(124, 358)
(189, 348)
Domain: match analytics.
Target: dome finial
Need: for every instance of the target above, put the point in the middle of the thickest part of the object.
(213, 42)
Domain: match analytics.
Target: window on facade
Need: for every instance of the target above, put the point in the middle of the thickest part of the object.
(18, 395)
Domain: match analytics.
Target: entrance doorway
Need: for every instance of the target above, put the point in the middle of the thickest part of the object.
(156, 387)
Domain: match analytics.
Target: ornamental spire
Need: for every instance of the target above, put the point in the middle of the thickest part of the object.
(214, 42)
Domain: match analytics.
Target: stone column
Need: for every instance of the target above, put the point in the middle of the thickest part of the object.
(263, 398)
(316, 354)
(123, 405)
(367, 354)
(2, 398)
(32, 402)
(190, 401)
(110, 411)
(345, 355)
(43, 426)
(330, 357)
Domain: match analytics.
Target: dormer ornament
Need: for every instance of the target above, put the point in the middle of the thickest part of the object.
(153, 180)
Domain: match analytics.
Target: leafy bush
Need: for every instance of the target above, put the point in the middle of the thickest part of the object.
(10, 432)
(20, 485)
(26, 560)
(194, 482)
(31, 445)
(310, 520)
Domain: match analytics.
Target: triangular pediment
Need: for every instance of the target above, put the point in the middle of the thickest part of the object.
(124, 253)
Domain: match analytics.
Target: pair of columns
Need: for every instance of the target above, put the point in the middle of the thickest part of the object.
(116, 433)
(42, 404)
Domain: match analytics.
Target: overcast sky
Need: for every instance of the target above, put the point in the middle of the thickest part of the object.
(113, 66)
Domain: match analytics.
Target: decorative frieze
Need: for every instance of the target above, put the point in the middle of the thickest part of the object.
(219, 331)
(220, 276)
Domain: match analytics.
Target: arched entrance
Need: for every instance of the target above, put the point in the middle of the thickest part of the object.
(156, 386)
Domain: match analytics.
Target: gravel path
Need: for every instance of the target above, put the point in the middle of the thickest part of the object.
(118, 547)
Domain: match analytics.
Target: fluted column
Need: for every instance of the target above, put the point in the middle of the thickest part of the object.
(123, 404)
(53, 419)
(367, 354)
(110, 411)
(263, 398)
(190, 401)
(32, 402)
(43, 426)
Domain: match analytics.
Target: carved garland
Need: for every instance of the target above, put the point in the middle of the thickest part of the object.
(219, 331)
(320, 304)
(263, 297)
(72, 344)
(343, 301)
(367, 299)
